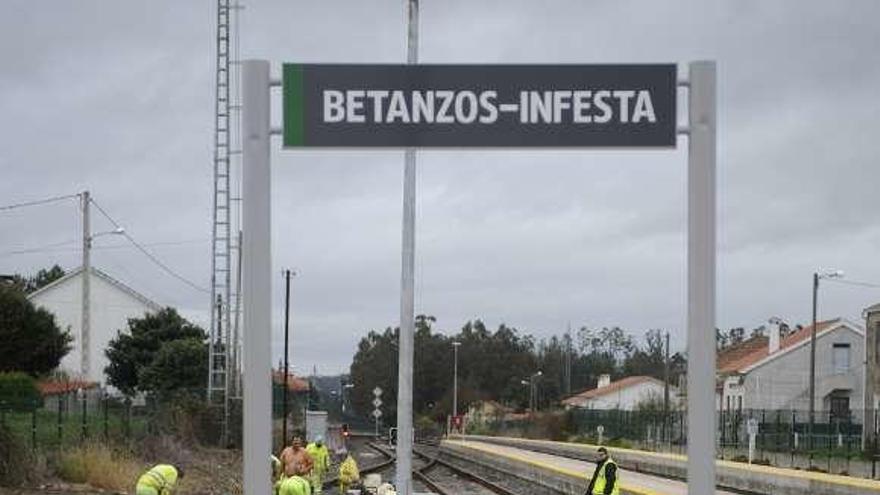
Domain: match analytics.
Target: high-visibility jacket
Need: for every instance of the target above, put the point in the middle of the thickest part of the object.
(294, 485)
(320, 455)
(348, 471)
(162, 478)
(602, 480)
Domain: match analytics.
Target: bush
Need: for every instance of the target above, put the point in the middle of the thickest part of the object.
(99, 466)
(18, 391)
(16, 460)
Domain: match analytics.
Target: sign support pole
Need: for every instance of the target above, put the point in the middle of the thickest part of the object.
(701, 279)
(407, 288)
(257, 267)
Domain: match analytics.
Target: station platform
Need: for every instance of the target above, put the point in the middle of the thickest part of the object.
(650, 473)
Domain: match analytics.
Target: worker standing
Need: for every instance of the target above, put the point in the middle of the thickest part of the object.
(295, 459)
(606, 478)
(321, 457)
(159, 480)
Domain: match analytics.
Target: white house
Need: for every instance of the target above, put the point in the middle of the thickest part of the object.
(112, 304)
(624, 394)
(773, 372)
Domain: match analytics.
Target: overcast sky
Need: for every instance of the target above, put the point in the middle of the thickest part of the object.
(117, 97)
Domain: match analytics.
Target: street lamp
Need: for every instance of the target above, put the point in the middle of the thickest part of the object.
(345, 387)
(531, 383)
(455, 346)
(816, 277)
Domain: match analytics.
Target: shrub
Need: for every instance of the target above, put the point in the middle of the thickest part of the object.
(99, 466)
(16, 460)
(18, 391)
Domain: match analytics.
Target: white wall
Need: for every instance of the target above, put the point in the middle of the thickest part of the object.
(111, 307)
(629, 397)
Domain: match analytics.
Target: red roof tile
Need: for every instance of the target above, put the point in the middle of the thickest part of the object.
(739, 357)
(55, 387)
(294, 384)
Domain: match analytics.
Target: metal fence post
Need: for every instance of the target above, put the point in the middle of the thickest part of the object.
(34, 424)
(106, 417)
(59, 397)
(84, 416)
(3, 414)
(127, 420)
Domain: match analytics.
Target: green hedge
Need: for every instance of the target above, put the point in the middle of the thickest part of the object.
(18, 391)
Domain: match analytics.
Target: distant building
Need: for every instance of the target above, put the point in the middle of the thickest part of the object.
(625, 394)
(112, 304)
(773, 372)
(872, 370)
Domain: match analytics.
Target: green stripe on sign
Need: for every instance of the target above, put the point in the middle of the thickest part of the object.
(293, 101)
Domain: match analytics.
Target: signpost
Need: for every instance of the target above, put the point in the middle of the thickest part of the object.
(377, 413)
(752, 430)
(473, 106)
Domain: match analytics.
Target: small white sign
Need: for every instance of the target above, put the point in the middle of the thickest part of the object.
(377, 413)
(377, 402)
(377, 391)
(752, 426)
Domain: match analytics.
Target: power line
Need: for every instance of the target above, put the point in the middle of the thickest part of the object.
(148, 254)
(58, 247)
(853, 282)
(37, 202)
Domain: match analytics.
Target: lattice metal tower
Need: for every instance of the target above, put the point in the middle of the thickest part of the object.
(224, 235)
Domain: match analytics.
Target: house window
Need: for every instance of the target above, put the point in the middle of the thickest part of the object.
(739, 401)
(839, 407)
(840, 358)
(728, 403)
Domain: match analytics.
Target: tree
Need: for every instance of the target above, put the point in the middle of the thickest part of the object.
(43, 278)
(30, 340)
(140, 361)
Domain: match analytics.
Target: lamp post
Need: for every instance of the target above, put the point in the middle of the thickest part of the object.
(345, 387)
(531, 384)
(816, 277)
(86, 296)
(455, 346)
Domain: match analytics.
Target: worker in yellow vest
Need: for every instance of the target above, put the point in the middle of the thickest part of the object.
(277, 473)
(606, 478)
(294, 485)
(159, 480)
(348, 474)
(321, 457)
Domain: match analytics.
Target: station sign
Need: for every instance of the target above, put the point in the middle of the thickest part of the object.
(327, 105)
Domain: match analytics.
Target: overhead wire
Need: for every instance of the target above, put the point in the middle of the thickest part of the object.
(853, 282)
(147, 253)
(38, 202)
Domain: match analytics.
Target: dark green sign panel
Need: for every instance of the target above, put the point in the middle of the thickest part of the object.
(479, 105)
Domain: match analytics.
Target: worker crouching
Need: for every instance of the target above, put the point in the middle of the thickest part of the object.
(349, 474)
(159, 480)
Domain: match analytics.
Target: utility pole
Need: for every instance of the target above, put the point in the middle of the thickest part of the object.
(85, 330)
(455, 346)
(286, 356)
(666, 390)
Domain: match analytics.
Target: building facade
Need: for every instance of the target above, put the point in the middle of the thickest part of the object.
(112, 303)
(773, 373)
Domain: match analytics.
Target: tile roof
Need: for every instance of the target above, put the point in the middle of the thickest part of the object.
(610, 388)
(750, 351)
(294, 384)
(55, 387)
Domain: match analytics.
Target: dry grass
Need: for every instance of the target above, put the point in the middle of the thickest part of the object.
(100, 466)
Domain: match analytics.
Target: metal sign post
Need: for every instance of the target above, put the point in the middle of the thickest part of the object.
(257, 267)
(701, 279)
(377, 402)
